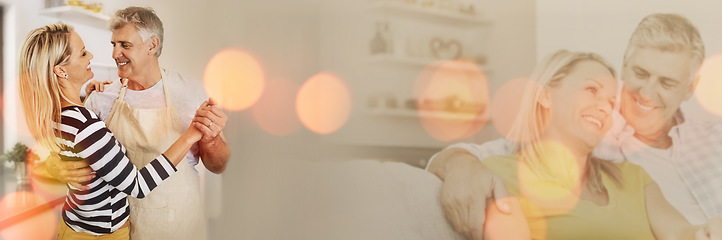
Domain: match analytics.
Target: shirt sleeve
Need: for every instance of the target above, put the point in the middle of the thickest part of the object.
(506, 168)
(107, 157)
(91, 104)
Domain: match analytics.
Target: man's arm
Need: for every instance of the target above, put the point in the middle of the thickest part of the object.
(213, 148)
(667, 223)
(215, 154)
(466, 188)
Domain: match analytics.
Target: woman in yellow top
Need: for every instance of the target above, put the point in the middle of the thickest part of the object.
(561, 191)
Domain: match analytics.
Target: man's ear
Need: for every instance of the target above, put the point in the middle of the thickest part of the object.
(60, 71)
(154, 44)
(692, 86)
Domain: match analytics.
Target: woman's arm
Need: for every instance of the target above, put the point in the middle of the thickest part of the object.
(668, 223)
(505, 226)
(95, 144)
(180, 147)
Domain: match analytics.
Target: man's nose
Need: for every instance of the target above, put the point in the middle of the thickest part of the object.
(116, 52)
(649, 89)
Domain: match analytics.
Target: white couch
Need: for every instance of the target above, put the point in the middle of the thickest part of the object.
(367, 199)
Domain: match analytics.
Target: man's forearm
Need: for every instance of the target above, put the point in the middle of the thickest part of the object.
(215, 154)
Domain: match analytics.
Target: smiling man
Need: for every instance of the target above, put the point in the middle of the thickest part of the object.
(682, 154)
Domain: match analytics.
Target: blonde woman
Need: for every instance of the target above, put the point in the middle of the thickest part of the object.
(561, 191)
(54, 65)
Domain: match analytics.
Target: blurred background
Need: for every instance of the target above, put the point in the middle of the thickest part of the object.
(311, 82)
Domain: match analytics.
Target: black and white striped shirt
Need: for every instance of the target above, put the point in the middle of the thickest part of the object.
(104, 208)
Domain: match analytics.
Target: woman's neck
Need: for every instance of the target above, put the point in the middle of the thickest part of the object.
(70, 96)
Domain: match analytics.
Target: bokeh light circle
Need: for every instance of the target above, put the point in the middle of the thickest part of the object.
(506, 105)
(709, 91)
(275, 110)
(234, 78)
(47, 188)
(40, 226)
(323, 103)
(2, 105)
(452, 99)
(554, 182)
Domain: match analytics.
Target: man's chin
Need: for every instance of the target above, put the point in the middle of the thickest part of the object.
(645, 127)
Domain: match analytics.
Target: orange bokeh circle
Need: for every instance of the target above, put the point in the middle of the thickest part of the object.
(234, 79)
(452, 99)
(323, 103)
(709, 87)
(506, 106)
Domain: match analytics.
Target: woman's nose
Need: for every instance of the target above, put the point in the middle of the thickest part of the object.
(605, 106)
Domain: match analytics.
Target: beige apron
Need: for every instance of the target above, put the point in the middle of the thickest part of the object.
(173, 210)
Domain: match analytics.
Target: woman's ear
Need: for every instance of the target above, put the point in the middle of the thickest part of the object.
(60, 71)
(544, 100)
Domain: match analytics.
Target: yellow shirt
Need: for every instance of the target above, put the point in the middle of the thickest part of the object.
(625, 217)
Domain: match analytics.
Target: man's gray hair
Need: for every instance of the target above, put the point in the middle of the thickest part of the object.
(144, 19)
(669, 33)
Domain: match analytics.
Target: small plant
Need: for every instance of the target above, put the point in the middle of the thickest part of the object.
(19, 154)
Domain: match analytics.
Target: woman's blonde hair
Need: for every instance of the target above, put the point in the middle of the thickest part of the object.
(533, 118)
(40, 93)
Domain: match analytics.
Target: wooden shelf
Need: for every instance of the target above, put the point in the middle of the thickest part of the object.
(386, 59)
(77, 15)
(425, 114)
(432, 13)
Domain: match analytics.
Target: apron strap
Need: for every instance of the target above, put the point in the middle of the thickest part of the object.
(168, 103)
(166, 91)
(124, 81)
(165, 88)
